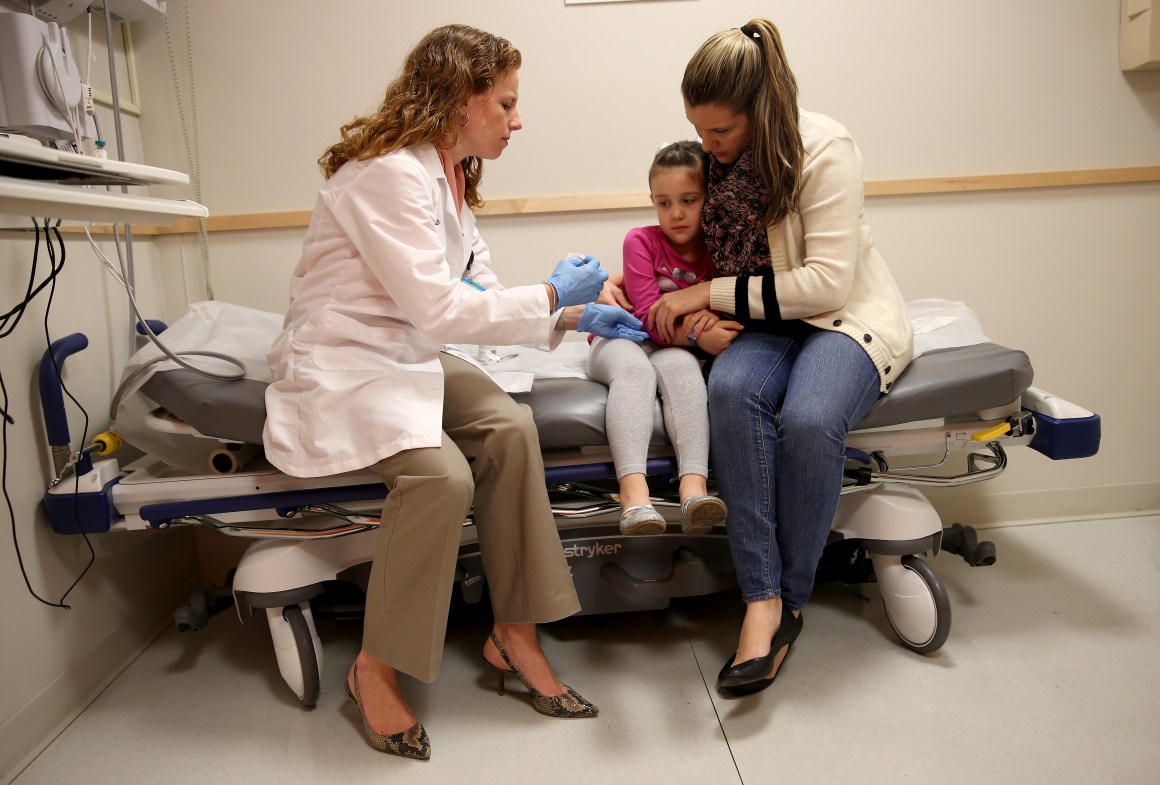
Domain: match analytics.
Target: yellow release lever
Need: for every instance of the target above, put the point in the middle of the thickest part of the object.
(106, 443)
(992, 433)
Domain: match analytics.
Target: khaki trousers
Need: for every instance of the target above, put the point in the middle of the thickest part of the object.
(490, 459)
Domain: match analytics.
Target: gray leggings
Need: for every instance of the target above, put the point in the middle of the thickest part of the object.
(633, 373)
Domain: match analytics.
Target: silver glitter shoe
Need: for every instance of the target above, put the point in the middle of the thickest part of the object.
(699, 514)
(641, 519)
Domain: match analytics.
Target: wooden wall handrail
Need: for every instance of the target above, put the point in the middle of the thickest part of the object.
(296, 219)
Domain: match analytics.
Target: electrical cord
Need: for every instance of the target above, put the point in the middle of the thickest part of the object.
(10, 320)
(113, 271)
(68, 112)
(167, 353)
(84, 431)
(192, 146)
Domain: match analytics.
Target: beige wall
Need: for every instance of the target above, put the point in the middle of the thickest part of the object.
(53, 661)
(928, 89)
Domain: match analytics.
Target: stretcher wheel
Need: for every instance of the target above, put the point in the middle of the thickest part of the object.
(304, 643)
(193, 617)
(916, 601)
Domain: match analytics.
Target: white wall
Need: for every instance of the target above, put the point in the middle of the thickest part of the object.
(53, 661)
(928, 89)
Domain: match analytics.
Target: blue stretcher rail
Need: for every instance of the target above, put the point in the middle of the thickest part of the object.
(52, 394)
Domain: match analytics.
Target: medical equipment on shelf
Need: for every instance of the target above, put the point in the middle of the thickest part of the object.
(964, 400)
(63, 10)
(41, 92)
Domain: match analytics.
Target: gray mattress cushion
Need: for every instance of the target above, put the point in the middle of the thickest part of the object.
(570, 412)
(233, 410)
(953, 382)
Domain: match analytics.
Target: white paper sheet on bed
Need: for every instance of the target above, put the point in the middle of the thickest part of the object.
(938, 324)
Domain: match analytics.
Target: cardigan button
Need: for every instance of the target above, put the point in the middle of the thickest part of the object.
(887, 371)
(889, 385)
(837, 322)
(867, 338)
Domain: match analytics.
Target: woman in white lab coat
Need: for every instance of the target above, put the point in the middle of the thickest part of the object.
(392, 269)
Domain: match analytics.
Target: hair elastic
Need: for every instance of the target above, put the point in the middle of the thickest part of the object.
(749, 31)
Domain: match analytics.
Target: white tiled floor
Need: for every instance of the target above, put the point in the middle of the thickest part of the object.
(1050, 675)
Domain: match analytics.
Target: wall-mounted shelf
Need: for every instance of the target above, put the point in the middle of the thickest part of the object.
(48, 200)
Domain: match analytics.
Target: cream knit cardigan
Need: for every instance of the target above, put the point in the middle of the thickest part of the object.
(827, 271)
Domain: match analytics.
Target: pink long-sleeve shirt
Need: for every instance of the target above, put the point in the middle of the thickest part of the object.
(652, 267)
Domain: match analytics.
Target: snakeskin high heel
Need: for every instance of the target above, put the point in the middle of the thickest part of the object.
(410, 743)
(569, 704)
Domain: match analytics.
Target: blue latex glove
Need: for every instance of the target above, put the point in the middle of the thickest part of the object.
(577, 280)
(611, 321)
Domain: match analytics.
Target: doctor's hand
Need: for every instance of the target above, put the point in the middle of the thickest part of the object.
(577, 280)
(611, 321)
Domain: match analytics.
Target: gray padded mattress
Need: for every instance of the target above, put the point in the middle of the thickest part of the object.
(570, 412)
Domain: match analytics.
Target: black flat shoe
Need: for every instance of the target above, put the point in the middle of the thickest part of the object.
(755, 675)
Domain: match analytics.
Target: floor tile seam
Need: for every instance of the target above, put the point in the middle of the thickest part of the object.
(712, 703)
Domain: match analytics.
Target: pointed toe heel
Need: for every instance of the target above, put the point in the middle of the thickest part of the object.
(567, 705)
(411, 743)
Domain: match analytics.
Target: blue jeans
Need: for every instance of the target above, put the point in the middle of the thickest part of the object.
(779, 411)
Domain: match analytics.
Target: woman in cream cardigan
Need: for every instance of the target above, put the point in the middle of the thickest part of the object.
(825, 326)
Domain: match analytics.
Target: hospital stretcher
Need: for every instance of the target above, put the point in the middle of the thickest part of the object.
(948, 421)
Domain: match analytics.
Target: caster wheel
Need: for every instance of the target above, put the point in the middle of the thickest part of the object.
(307, 656)
(917, 604)
(195, 616)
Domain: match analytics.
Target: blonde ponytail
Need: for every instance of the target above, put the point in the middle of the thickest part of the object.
(746, 69)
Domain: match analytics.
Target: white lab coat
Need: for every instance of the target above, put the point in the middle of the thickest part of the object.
(377, 294)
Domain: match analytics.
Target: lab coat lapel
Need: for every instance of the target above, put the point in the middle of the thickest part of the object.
(454, 226)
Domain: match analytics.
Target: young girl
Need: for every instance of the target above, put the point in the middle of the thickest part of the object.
(658, 259)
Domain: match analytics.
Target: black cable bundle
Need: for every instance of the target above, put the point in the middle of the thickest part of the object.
(8, 322)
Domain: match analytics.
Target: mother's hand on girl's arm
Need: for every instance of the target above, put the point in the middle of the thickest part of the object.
(717, 338)
(665, 312)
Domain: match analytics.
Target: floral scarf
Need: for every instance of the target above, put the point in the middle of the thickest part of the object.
(733, 217)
